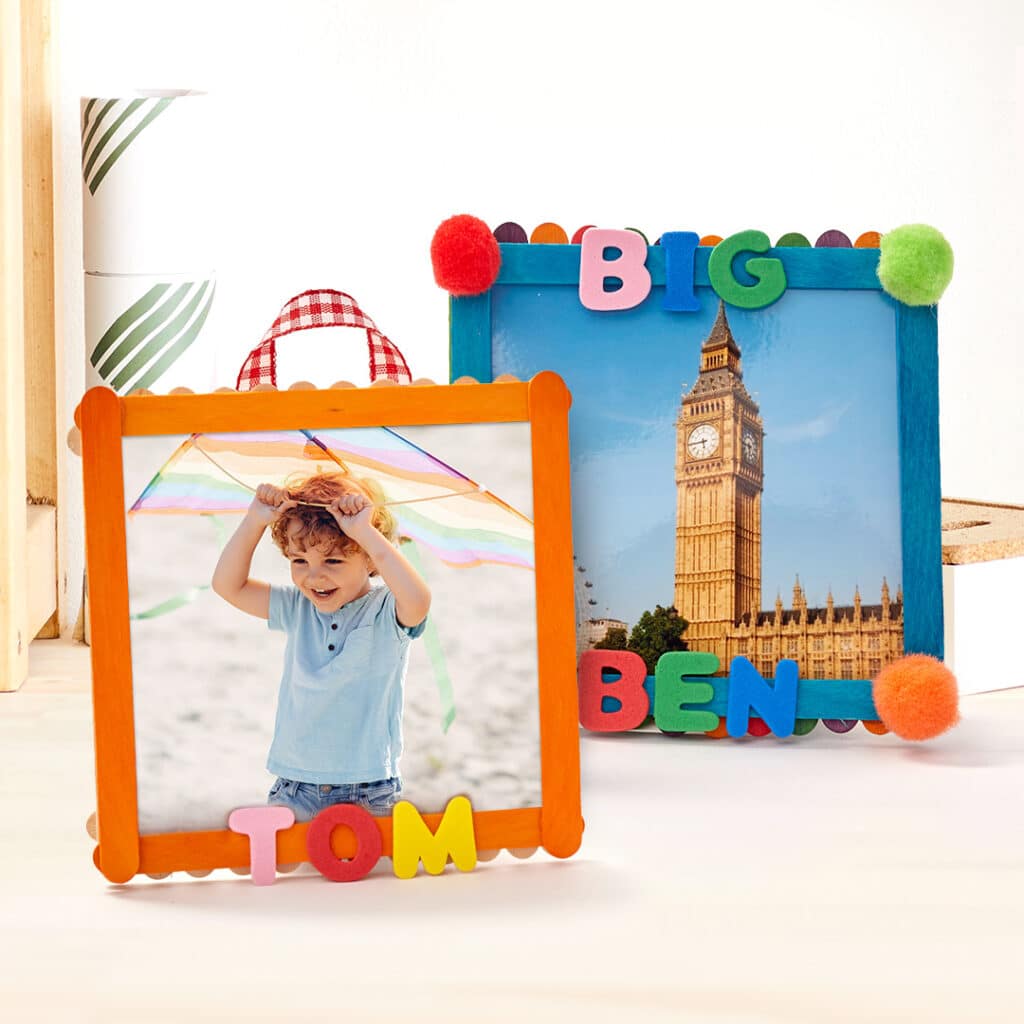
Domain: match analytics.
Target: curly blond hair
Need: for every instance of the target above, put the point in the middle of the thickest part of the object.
(317, 528)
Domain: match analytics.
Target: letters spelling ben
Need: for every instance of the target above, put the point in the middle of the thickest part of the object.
(623, 703)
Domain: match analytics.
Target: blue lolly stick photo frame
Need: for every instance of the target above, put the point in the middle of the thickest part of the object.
(537, 294)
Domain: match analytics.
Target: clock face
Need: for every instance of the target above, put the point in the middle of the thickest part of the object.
(702, 442)
(750, 447)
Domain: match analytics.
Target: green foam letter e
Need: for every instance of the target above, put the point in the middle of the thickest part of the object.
(672, 690)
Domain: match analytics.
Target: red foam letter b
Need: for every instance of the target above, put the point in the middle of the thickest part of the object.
(628, 690)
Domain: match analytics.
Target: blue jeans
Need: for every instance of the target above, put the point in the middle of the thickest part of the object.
(308, 799)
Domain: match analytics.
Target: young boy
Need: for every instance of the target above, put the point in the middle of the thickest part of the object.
(338, 734)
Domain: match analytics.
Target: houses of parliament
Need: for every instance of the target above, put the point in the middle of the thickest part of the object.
(719, 481)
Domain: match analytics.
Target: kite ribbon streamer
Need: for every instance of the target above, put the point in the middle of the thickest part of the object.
(172, 604)
(434, 651)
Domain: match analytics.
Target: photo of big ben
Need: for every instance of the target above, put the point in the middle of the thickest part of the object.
(738, 469)
(719, 475)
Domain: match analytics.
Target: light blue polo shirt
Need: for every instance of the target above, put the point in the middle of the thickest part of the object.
(339, 712)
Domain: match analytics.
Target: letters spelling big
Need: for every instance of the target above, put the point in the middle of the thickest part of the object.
(680, 247)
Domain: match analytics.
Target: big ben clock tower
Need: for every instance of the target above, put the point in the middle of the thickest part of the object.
(719, 480)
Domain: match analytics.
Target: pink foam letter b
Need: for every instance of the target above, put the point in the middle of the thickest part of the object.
(628, 267)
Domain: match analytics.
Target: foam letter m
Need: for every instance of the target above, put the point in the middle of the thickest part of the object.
(413, 840)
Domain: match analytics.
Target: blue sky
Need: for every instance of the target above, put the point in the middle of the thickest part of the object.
(822, 367)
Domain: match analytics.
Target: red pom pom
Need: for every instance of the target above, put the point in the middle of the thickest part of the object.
(916, 697)
(465, 255)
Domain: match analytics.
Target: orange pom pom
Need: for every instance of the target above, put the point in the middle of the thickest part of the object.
(916, 697)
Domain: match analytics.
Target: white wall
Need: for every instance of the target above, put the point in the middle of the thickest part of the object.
(351, 129)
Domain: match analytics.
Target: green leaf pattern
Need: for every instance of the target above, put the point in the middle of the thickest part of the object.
(109, 127)
(145, 340)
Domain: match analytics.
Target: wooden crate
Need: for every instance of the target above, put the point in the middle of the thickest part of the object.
(982, 582)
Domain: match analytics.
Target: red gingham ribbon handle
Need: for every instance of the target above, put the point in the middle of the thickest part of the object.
(321, 307)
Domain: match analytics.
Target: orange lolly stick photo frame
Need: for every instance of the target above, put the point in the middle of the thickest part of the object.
(540, 405)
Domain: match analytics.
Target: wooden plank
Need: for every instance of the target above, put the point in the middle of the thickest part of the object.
(41, 558)
(980, 531)
(42, 371)
(14, 637)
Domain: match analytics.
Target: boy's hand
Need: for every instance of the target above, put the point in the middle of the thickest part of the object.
(353, 513)
(269, 503)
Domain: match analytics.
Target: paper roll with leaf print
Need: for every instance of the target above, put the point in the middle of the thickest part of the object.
(147, 193)
(149, 331)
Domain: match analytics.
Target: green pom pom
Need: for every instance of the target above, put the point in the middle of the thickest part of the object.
(915, 265)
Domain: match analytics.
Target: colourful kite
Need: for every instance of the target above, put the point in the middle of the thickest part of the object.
(440, 508)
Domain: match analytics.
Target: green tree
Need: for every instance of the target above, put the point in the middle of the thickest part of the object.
(655, 633)
(614, 640)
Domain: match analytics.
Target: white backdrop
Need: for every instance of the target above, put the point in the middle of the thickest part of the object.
(351, 129)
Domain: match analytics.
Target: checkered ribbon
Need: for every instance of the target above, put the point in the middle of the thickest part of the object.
(321, 308)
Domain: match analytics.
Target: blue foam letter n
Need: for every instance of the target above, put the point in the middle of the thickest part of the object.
(749, 691)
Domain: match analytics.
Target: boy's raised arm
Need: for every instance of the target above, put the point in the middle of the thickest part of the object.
(412, 595)
(231, 577)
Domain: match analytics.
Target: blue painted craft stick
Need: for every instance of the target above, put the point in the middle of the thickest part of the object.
(920, 490)
(840, 269)
(469, 336)
(816, 698)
